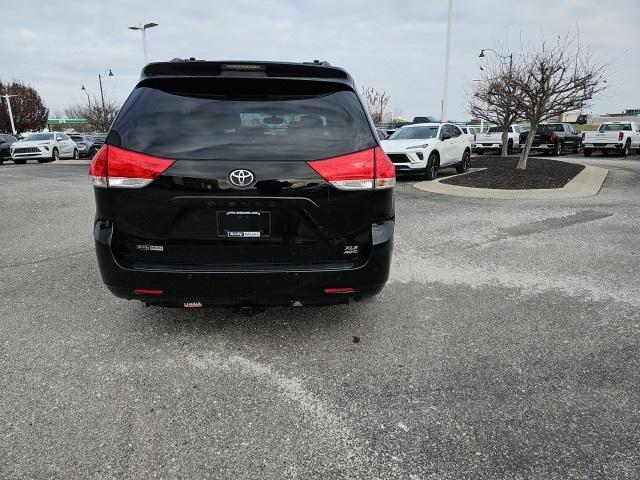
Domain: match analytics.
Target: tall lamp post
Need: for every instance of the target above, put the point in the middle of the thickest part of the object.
(88, 99)
(100, 77)
(88, 103)
(6, 96)
(445, 90)
(504, 57)
(143, 29)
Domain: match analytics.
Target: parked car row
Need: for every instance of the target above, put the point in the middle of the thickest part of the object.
(48, 146)
(424, 148)
(558, 138)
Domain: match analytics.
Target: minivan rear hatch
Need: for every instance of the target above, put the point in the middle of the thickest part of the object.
(244, 179)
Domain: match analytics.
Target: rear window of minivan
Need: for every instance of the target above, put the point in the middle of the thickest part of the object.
(241, 119)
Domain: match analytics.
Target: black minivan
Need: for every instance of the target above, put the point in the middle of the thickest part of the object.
(243, 184)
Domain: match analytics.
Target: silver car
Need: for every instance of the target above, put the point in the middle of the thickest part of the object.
(84, 143)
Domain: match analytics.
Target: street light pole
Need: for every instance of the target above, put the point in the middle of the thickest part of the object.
(7, 97)
(144, 45)
(101, 92)
(143, 30)
(445, 92)
(88, 99)
(110, 74)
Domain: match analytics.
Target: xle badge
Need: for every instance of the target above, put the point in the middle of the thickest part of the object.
(350, 250)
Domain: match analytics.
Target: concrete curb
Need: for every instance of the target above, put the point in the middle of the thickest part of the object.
(586, 184)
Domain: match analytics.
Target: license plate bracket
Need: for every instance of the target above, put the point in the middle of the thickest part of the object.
(244, 223)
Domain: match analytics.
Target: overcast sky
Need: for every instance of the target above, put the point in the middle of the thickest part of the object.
(396, 46)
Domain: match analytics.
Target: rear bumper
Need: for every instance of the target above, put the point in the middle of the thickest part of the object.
(248, 288)
(492, 146)
(603, 146)
(487, 146)
(543, 146)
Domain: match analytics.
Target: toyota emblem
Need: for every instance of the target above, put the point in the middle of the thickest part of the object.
(241, 178)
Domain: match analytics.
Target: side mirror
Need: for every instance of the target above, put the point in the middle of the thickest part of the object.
(445, 136)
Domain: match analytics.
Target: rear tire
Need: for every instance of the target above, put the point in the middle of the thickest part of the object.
(479, 151)
(431, 172)
(605, 153)
(557, 151)
(55, 155)
(587, 152)
(625, 150)
(463, 166)
(76, 154)
(510, 147)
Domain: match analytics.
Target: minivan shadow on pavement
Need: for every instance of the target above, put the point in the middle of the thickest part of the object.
(284, 323)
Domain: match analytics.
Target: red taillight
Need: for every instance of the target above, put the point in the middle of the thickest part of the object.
(147, 291)
(357, 171)
(552, 137)
(98, 168)
(620, 136)
(339, 290)
(117, 167)
(385, 170)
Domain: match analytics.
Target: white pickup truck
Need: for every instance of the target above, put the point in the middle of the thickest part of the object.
(492, 139)
(621, 137)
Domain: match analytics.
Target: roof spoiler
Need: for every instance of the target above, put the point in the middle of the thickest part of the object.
(200, 68)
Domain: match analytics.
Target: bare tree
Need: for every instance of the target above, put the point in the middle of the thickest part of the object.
(555, 78)
(376, 103)
(98, 119)
(29, 111)
(492, 99)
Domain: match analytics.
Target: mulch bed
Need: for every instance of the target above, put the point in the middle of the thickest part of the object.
(502, 173)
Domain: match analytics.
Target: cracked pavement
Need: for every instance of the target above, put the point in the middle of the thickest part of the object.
(506, 345)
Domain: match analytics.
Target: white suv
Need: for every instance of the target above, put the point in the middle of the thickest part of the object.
(44, 147)
(426, 147)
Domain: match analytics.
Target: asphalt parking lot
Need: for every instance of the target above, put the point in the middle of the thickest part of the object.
(506, 345)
